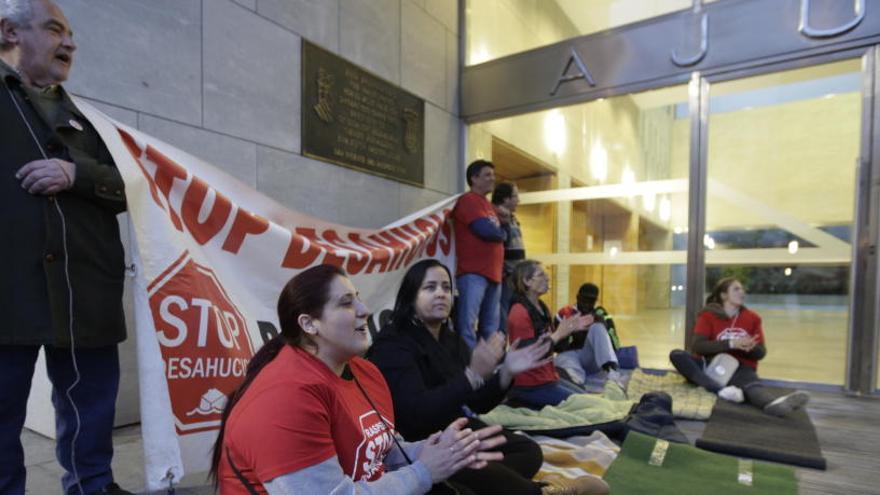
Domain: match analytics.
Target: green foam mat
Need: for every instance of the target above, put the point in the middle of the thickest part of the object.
(647, 465)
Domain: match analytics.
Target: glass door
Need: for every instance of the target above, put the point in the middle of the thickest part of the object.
(604, 200)
(782, 152)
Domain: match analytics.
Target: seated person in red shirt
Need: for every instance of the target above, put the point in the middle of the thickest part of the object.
(530, 320)
(591, 352)
(725, 325)
(313, 417)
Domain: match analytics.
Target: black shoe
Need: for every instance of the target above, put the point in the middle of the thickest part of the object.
(112, 489)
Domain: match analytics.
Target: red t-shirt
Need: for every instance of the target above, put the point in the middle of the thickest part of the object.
(745, 324)
(298, 413)
(519, 326)
(474, 255)
(566, 311)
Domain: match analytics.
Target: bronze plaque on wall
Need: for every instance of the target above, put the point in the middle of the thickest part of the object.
(354, 119)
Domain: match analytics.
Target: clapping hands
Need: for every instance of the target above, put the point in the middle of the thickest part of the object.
(458, 447)
(572, 324)
(519, 359)
(488, 353)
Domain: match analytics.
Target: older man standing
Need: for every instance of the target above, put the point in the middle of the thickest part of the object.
(62, 260)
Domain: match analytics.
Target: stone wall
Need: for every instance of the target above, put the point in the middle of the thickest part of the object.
(221, 79)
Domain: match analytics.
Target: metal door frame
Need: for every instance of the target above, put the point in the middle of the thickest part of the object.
(864, 319)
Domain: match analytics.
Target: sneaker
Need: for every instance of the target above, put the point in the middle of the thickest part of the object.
(784, 405)
(570, 375)
(732, 393)
(618, 378)
(112, 489)
(585, 485)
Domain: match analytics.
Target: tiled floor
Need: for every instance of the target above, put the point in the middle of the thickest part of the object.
(44, 473)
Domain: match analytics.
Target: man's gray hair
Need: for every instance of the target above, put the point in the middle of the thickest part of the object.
(17, 11)
(20, 12)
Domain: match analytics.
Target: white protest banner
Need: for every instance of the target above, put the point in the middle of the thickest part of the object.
(211, 256)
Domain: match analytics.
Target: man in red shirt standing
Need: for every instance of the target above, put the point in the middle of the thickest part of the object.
(479, 252)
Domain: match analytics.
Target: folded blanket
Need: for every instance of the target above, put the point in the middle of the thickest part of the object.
(688, 401)
(575, 456)
(577, 410)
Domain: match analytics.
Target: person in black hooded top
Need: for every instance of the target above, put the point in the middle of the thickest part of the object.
(433, 376)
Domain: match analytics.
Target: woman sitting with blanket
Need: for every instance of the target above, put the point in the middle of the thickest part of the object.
(726, 326)
(434, 376)
(530, 321)
(313, 417)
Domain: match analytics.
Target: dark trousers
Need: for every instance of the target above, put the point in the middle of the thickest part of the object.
(511, 476)
(548, 394)
(87, 441)
(746, 378)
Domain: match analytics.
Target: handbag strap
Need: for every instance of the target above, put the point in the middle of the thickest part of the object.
(247, 484)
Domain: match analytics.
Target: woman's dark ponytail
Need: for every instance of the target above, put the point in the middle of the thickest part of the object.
(306, 293)
(259, 361)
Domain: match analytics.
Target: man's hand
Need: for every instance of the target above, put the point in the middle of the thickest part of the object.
(47, 176)
(503, 213)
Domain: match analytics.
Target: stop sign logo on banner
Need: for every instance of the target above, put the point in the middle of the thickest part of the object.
(204, 342)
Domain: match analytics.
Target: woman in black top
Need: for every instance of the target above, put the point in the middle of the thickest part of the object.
(434, 378)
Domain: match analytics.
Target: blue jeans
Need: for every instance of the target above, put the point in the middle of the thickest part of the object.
(477, 297)
(95, 400)
(548, 394)
(589, 359)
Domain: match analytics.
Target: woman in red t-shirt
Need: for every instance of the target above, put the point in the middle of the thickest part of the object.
(726, 326)
(530, 320)
(313, 417)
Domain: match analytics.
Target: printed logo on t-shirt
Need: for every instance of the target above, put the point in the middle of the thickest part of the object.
(733, 333)
(376, 444)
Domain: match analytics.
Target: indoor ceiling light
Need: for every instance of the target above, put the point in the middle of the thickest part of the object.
(665, 209)
(554, 131)
(599, 161)
(628, 178)
(649, 201)
(480, 55)
(708, 241)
